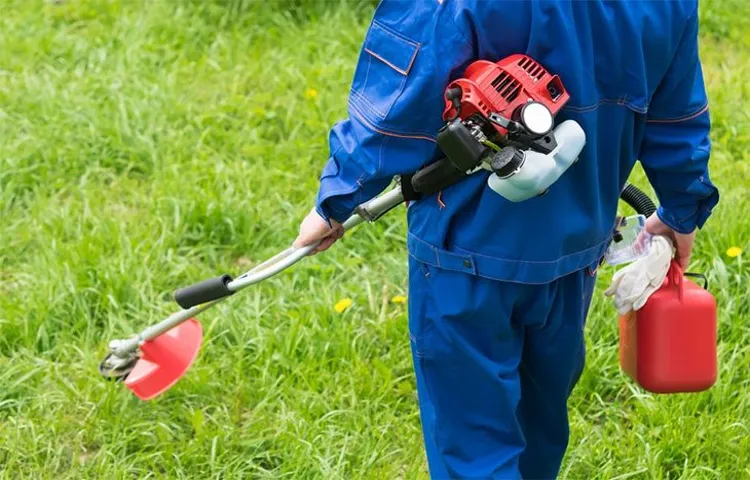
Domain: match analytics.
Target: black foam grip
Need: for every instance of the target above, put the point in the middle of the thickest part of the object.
(637, 199)
(202, 292)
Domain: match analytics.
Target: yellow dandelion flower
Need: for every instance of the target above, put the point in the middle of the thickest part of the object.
(311, 94)
(342, 305)
(733, 252)
(398, 299)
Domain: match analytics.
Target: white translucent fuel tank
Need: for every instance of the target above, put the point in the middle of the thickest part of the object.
(538, 170)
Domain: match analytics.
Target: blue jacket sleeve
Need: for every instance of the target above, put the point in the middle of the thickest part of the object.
(411, 51)
(676, 145)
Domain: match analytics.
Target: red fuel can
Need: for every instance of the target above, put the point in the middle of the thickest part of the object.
(669, 345)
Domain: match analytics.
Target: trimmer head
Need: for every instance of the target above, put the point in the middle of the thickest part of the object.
(116, 368)
(165, 359)
(157, 364)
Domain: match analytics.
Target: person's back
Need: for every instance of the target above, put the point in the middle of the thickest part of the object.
(612, 58)
(499, 291)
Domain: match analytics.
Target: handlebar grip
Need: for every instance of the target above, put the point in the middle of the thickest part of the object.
(202, 292)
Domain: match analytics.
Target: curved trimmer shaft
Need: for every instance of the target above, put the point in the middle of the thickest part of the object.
(204, 295)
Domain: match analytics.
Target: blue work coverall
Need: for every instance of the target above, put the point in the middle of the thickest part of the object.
(499, 291)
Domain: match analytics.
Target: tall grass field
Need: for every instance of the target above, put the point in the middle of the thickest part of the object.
(146, 145)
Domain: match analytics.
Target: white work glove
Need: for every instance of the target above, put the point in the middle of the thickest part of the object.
(632, 285)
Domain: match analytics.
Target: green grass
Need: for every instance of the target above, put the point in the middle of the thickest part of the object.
(144, 145)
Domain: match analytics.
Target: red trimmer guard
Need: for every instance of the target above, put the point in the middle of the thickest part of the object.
(165, 359)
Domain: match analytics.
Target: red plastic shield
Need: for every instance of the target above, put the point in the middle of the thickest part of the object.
(165, 359)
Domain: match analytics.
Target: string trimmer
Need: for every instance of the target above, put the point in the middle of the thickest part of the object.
(153, 360)
(499, 118)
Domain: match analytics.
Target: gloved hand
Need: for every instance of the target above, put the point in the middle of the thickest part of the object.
(632, 285)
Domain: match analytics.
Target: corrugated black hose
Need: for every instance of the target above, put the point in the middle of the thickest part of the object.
(637, 199)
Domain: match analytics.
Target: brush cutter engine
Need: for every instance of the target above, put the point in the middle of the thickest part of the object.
(500, 117)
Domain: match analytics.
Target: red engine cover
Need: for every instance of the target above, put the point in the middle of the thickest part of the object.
(669, 345)
(504, 86)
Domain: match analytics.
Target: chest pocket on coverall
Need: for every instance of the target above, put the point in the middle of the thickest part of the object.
(386, 59)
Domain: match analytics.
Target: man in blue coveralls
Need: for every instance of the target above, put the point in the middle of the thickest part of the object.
(499, 291)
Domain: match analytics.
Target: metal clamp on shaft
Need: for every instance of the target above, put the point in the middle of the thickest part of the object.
(202, 292)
